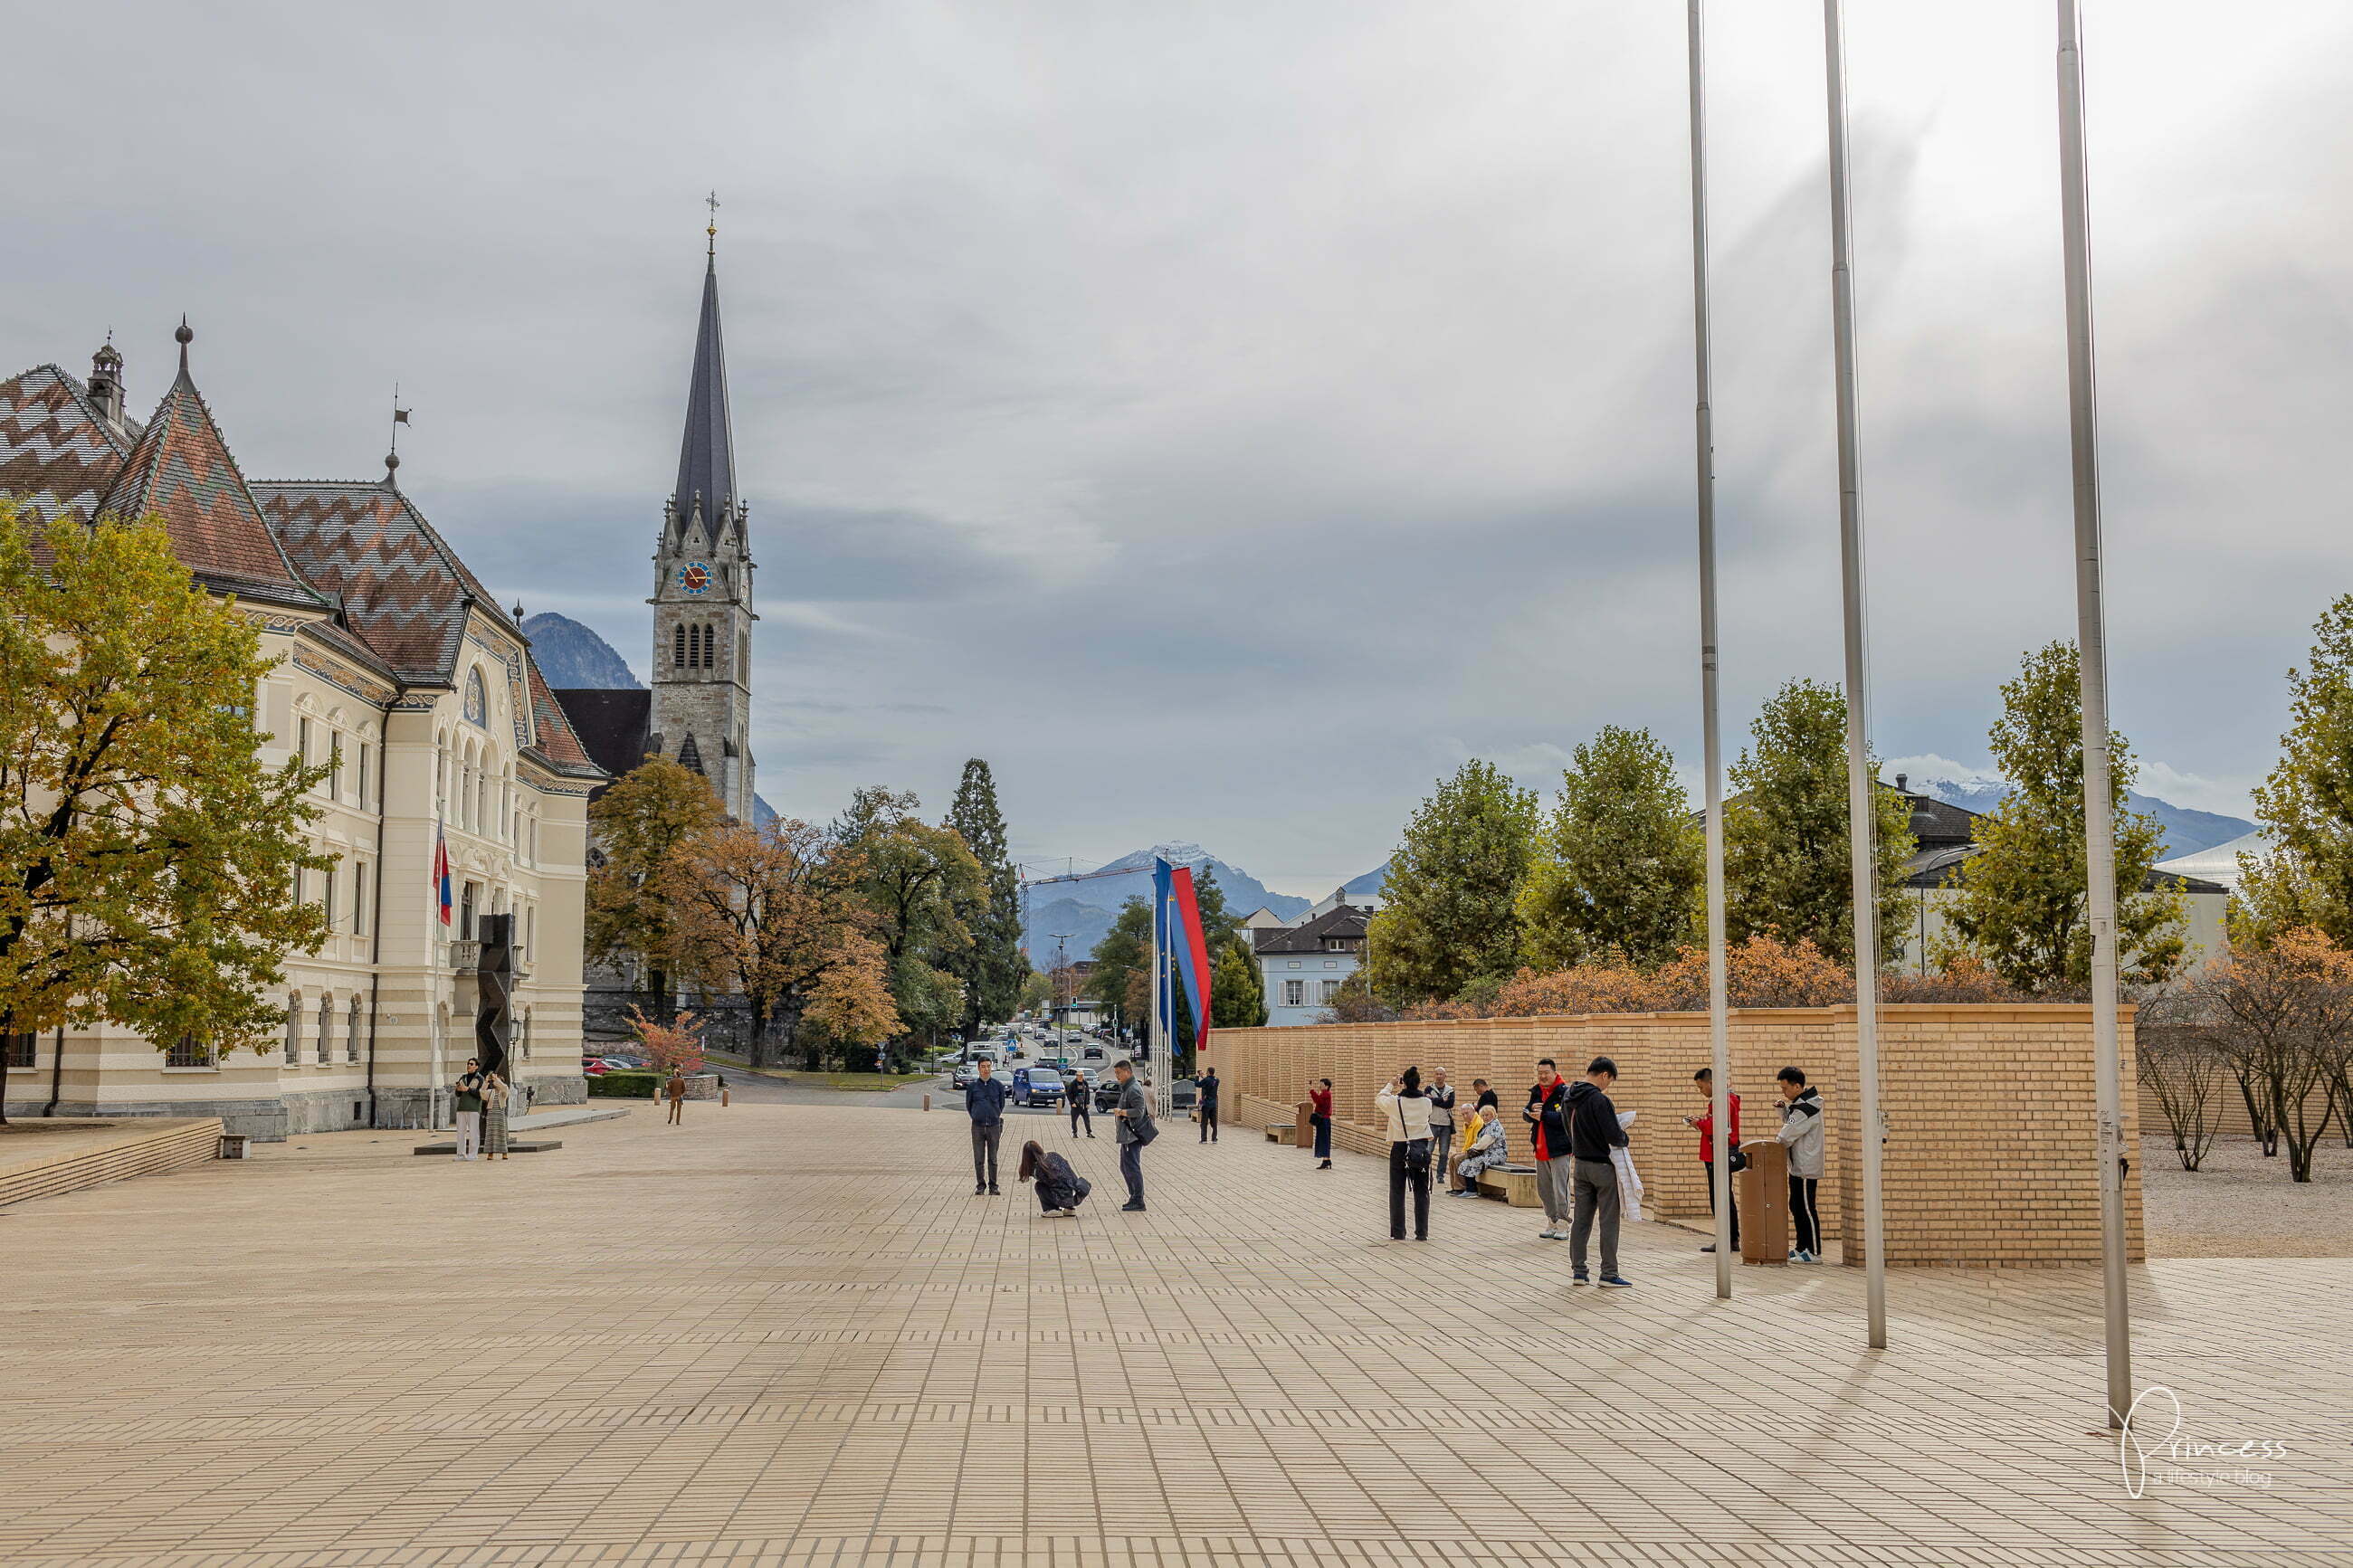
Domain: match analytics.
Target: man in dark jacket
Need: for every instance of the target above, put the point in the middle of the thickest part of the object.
(1593, 1132)
(1134, 1131)
(1208, 1106)
(1547, 1114)
(984, 1101)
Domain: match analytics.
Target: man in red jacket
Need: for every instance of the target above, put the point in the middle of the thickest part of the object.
(1706, 1126)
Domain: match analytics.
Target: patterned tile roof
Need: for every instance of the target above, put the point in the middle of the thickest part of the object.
(555, 739)
(181, 470)
(404, 589)
(57, 453)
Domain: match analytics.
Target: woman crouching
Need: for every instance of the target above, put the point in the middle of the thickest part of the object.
(1060, 1190)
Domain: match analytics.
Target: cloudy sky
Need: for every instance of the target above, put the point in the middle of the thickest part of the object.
(1227, 418)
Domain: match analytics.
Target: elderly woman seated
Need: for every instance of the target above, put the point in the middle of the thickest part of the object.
(1482, 1150)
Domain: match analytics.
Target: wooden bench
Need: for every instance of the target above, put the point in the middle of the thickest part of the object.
(1517, 1188)
(1284, 1132)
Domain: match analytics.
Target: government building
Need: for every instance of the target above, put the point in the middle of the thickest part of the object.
(399, 667)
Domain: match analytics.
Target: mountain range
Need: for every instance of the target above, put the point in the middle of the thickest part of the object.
(2186, 831)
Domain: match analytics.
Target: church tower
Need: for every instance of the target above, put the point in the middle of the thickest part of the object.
(702, 587)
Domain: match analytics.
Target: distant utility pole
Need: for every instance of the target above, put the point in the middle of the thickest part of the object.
(1062, 984)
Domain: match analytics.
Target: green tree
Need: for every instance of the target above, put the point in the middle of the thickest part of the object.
(992, 966)
(918, 878)
(1125, 951)
(147, 852)
(2020, 903)
(1447, 916)
(1786, 858)
(2303, 875)
(644, 819)
(1237, 995)
(1621, 864)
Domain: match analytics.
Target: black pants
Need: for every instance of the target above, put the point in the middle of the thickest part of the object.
(1731, 1198)
(1804, 1216)
(1078, 1112)
(1323, 1125)
(1209, 1121)
(1404, 1173)
(985, 1135)
(1130, 1167)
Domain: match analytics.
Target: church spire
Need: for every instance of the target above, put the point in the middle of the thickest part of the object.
(706, 459)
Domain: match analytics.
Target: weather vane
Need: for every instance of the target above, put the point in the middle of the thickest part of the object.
(711, 201)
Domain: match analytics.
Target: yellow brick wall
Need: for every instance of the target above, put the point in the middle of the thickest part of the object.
(1990, 1160)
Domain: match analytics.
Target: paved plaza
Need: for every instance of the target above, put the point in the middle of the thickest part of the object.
(789, 1334)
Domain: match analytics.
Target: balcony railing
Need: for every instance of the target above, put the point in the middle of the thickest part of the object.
(465, 954)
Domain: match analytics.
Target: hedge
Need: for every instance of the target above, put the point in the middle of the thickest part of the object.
(623, 1085)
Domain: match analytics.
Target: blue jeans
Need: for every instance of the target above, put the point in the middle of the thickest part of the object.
(1130, 1167)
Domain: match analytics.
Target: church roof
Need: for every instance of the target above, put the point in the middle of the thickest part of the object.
(403, 588)
(612, 724)
(57, 453)
(553, 737)
(706, 457)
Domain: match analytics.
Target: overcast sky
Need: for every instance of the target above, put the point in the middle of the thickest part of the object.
(1227, 418)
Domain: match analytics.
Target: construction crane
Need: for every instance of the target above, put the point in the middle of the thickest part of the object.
(1027, 882)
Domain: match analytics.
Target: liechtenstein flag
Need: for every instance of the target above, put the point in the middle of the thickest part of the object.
(441, 871)
(1180, 936)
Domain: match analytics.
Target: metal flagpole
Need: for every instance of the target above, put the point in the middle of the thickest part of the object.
(1860, 787)
(1719, 1016)
(2091, 633)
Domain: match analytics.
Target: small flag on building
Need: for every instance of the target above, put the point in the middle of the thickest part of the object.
(441, 871)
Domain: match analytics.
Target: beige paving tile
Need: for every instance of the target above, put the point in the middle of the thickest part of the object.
(789, 1335)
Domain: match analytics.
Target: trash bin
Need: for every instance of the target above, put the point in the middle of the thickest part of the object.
(232, 1146)
(1765, 1203)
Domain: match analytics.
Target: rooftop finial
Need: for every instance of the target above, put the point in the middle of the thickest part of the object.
(399, 418)
(712, 230)
(183, 337)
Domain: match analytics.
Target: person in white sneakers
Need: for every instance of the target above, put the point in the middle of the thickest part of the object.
(1802, 1134)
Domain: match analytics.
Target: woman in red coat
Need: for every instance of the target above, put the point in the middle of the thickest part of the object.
(1319, 1094)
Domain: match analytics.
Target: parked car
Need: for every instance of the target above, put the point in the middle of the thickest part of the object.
(1106, 1092)
(593, 1067)
(1036, 1086)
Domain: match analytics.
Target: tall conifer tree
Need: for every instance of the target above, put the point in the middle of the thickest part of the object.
(992, 970)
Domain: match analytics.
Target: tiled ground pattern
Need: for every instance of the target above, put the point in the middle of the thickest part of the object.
(789, 1335)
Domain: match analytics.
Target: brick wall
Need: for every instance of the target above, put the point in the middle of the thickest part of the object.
(1990, 1160)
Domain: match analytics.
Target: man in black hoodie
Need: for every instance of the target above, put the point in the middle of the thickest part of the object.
(1593, 1132)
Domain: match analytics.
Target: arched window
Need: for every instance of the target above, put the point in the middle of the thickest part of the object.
(478, 704)
(677, 647)
(326, 1028)
(294, 1028)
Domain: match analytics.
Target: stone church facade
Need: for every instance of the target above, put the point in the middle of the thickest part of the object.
(398, 665)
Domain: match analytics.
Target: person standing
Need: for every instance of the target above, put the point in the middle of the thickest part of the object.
(1206, 1092)
(1441, 1119)
(1802, 1134)
(495, 1095)
(1594, 1136)
(1081, 1095)
(1134, 1131)
(466, 1110)
(1405, 1112)
(675, 1089)
(984, 1101)
(1547, 1114)
(1319, 1096)
(1705, 1127)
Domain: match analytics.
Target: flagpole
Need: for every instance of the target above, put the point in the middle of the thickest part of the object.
(1862, 797)
(2092, 647)
(1711, 744)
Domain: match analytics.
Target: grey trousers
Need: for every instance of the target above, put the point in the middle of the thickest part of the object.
(1596, 1190)
(1553, 1178)
(1441, 1144)
(985, 1135)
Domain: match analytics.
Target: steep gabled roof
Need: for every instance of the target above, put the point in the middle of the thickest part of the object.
(181, 470)
(706, 457)
(1345, 923)
(612, 724)
(403, 588)
(553, 737)
(57, 453)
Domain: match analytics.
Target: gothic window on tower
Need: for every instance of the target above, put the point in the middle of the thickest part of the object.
(677, 647)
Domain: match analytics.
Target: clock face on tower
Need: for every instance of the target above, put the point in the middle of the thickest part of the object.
(694, 577)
